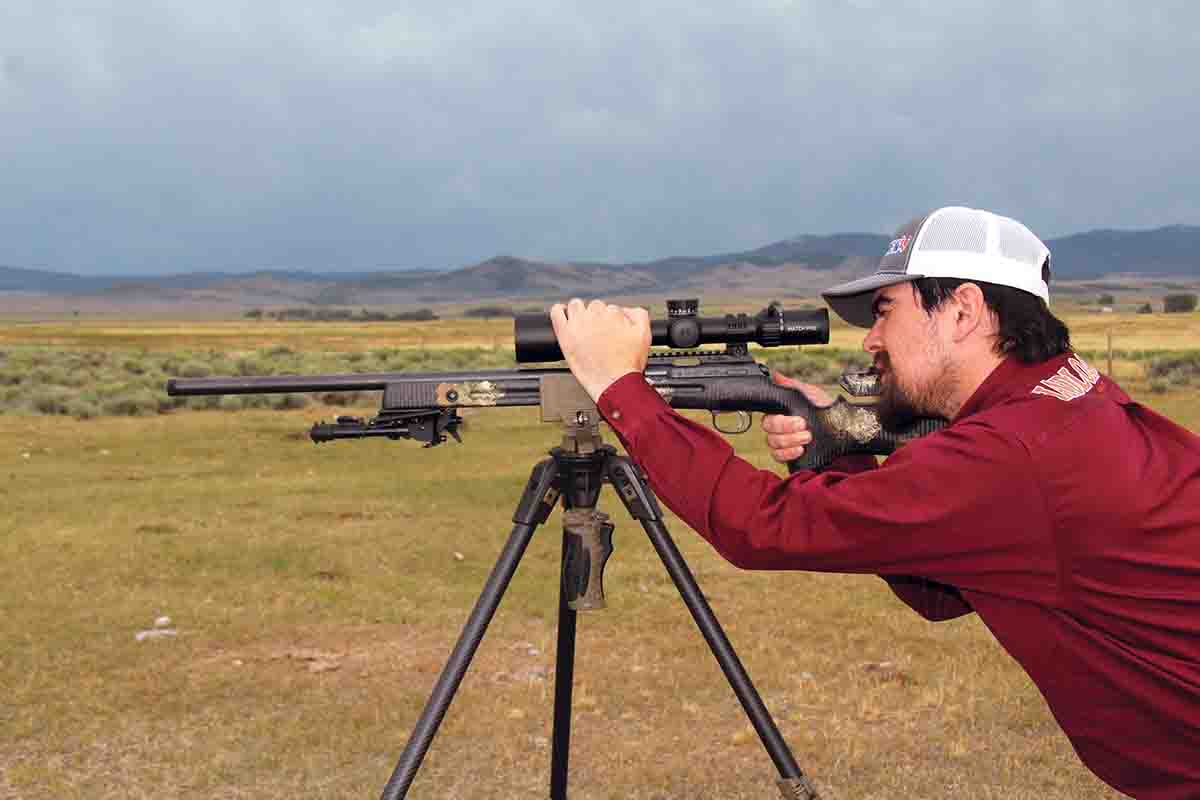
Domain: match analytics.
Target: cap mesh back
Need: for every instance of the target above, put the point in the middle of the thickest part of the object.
(1017, 243)
(955, 231)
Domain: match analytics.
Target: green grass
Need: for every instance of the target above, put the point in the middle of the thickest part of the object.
(89, 383)
(130, 382)
(318, 590)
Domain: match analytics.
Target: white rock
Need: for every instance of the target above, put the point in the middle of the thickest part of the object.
(157, 633)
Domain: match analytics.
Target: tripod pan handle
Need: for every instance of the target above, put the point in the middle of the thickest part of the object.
(588, 545)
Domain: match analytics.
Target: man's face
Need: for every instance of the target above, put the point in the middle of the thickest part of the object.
(911, 354)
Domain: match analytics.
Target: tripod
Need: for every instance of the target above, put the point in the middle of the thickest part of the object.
(575, 473)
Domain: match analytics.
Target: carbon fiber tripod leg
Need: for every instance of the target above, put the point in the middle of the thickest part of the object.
(564, 677)
(624, 475)
(536, 503)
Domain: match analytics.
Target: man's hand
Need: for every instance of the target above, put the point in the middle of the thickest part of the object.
(787, 436)
(601, 342)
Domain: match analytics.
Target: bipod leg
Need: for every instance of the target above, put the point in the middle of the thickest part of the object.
(637, 497)
(538, 500)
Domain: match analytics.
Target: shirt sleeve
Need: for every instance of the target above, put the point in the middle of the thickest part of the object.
(959, 506)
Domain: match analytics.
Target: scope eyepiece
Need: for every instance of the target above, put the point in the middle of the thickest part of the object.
(684, 329)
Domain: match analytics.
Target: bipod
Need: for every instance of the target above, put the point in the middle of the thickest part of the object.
(575, 473)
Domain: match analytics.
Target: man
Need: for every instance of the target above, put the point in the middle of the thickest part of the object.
(1064, 514)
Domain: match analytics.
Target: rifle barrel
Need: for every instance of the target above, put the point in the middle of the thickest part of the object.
(364, 381)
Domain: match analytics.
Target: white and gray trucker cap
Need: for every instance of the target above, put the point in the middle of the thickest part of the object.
(950, 242)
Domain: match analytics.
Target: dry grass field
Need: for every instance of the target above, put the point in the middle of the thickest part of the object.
(314, 593)
(160, 335)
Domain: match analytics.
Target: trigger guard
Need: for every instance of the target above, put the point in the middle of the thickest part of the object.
(744, 418)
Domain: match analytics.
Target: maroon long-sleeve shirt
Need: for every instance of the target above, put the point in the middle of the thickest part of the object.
(1064, 514)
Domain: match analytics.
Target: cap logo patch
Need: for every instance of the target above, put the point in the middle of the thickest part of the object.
(897, 246)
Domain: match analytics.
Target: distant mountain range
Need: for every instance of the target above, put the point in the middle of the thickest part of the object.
(805, 263)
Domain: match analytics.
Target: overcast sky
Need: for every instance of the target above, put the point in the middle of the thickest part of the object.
(333, 134)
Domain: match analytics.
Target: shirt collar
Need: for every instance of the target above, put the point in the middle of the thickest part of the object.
(1011, 377)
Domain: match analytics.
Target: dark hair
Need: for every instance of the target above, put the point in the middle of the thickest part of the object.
(1027, 328)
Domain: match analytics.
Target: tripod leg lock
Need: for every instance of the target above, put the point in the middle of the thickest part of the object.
(589, 544)
(626, 478)
(540, 495)
(799, 788)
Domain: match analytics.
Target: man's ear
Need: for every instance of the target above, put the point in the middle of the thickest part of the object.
(970, 310)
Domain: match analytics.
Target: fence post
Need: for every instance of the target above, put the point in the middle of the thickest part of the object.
(1110, 366)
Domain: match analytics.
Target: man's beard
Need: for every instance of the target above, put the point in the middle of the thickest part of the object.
(897, 407)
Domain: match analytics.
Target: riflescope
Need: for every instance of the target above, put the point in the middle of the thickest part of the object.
(684, 328)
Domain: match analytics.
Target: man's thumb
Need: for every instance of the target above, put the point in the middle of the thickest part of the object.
(814, 394)
(784, 380)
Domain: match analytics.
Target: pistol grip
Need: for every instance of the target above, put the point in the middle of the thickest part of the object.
(846, 428)
(588, 544)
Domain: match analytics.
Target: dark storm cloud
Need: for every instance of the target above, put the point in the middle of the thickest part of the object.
(235, 135)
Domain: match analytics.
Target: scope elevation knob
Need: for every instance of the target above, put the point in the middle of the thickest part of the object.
(683, 308)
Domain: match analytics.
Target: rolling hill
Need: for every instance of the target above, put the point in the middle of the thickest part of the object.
(800, 264)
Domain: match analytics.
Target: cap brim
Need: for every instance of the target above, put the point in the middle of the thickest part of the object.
(852, 301)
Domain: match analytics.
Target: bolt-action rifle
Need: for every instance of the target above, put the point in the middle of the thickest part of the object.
(424, 406)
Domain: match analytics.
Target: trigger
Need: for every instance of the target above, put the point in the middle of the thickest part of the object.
(742, 420)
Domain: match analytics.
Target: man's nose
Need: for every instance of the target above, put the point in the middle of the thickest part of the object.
(872, 342)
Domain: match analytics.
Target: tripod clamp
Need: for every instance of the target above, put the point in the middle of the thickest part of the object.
(574, 474)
